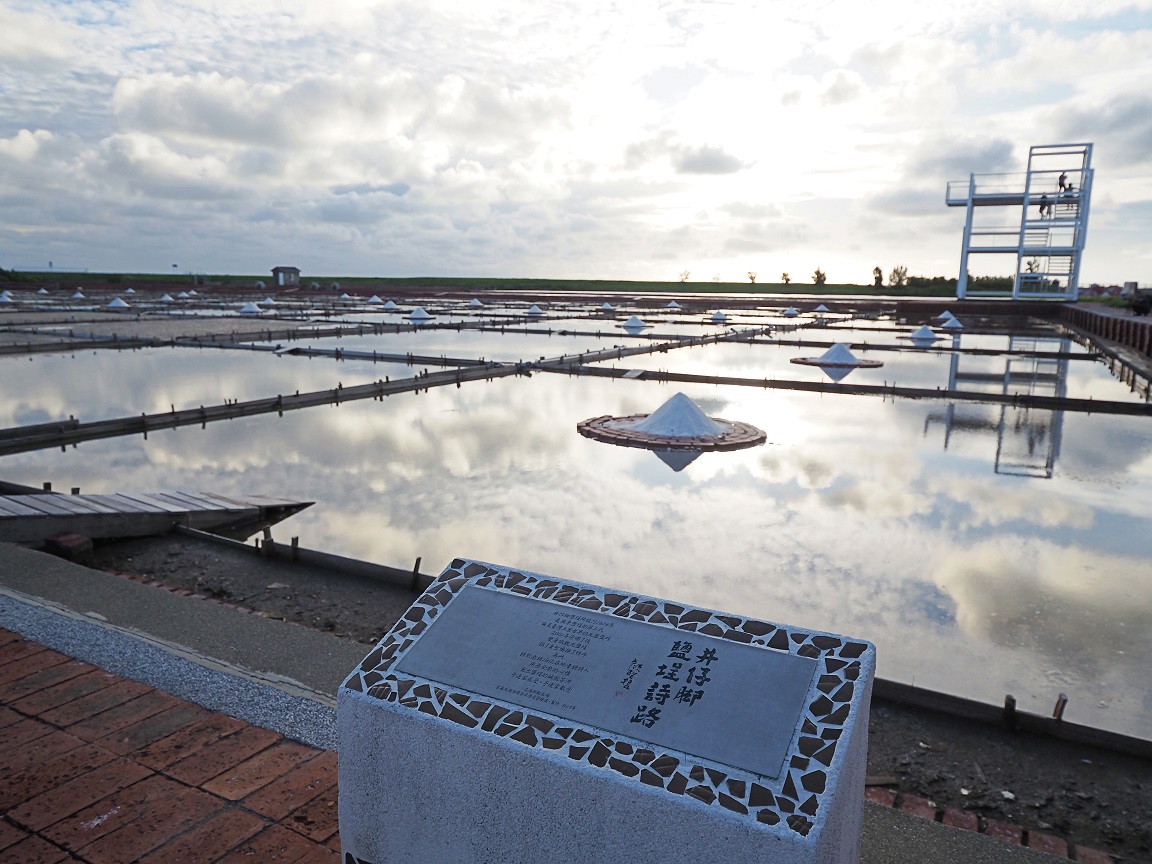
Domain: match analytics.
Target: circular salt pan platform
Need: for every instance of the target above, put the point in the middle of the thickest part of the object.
(847, 364)
(615, 430)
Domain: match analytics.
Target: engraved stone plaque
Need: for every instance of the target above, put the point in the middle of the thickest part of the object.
(714, 698)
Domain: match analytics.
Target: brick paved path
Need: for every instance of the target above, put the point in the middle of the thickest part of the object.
(99, 769)
(103, 770)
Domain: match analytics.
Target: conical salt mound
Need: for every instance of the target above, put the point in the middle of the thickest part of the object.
(822, 308)
(475, 303)
(605, 306)
(183, 295)
(391, 305)
(250, 309)
(79, 295)
(946, 315)
(839, 355)
(634, 323)
(419, 314)
(268, 301)
(167, 298)
(838, 373)
(345, 296)
(679, 417)
(535, 310)
(952, 324)
(924, 334)
(129, 291)
(192, 293)
(677, 460)
(117, 303)
(45, 291)
(6, 298)
(719, 317)
(374, 299)
(672, 305)
(790, 312)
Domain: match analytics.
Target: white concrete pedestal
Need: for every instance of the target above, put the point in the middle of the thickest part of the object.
(436, 772)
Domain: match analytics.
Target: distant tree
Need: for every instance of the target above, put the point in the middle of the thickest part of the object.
(898, 276)
(785, 278)
(752, 276)
(877, 276)
(819, 277)
(684, 274)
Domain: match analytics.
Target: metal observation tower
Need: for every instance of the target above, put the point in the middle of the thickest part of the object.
(1040, 216)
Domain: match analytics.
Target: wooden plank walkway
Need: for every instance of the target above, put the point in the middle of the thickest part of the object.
(34, 518)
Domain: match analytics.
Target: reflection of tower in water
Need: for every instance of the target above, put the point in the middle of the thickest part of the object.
(1027, 439)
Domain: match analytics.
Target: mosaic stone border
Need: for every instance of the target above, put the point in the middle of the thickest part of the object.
(790, 802)
(739, 436)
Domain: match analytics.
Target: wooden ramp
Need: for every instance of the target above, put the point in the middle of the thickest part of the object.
(34, 518)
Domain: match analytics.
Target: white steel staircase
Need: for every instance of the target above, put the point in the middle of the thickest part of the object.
(1040, 215)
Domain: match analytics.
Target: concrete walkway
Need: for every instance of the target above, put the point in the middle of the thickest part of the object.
(120, 682)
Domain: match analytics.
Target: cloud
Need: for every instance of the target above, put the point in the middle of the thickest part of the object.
(841, 87)
(398, 189)
(684, 158)
(706, 159)
(33, 41)
(1123, 125)
(955, 158)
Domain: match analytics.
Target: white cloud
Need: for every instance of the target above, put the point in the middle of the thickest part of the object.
(627, 120)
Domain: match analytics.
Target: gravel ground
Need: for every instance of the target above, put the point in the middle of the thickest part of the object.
(1091, 797)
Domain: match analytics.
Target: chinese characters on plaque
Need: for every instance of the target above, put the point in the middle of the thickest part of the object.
(675, 687)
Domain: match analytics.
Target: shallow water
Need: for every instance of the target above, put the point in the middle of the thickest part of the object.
(985, 549)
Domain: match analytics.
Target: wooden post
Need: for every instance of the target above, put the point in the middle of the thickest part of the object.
(1010, 712)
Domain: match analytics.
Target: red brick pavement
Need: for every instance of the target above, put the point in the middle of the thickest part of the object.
(102, 770)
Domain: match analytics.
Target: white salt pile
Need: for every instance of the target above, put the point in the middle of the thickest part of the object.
(419, 314)
(374, 299)
(117, 303)
(391, 305)
(822, 308)
(677, 460)
(790, 312)
(952, 324)
(673, 305)
(923, 334)
(475, 303)
(167, 298)
(250, 309)
(838, 355)
(679, 417)
(719, 317)
(535, 310)
(634, 323)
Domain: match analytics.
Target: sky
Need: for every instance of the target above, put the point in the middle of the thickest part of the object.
(576, 139)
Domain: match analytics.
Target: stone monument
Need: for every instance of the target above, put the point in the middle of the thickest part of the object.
(513, 717)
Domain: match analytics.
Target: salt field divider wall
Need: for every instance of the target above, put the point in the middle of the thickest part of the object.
(1086, 406)
(1124, 329)
(41, 436)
